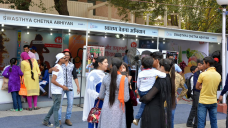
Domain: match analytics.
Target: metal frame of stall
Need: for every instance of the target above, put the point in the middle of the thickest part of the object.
(41, 20)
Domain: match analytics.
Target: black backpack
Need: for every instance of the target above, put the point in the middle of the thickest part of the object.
(190, 87)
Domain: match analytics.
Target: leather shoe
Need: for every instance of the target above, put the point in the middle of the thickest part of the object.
(189, 125)
(67, 121)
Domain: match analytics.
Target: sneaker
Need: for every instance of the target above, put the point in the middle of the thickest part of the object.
(136, 121)
(59, 126)
(21, 110)
(14, 110)
(47, 124)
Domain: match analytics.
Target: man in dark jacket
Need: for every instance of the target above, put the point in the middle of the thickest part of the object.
(195, 98)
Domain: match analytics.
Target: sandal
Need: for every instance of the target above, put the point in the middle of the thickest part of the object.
(44, 94)
(29, 109)
(36, 108)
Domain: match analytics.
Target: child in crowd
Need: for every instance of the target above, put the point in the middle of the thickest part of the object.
(145, 82)
(13, 72)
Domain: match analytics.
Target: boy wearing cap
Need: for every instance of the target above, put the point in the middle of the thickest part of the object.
(57, 86)
(69, 73)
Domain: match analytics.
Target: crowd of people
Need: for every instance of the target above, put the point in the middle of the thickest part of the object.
(157, 87)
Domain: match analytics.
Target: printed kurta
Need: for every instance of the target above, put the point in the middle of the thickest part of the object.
(112, 117)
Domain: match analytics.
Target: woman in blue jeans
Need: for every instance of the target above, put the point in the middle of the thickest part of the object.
(94, 81)
(13, 72)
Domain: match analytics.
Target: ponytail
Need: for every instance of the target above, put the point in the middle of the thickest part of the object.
(116, 64)
(113, 85)
(12, 62)
(32, 74)
(10, 70)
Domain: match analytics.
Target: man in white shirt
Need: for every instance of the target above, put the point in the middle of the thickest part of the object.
(57, 86)
(33, 49)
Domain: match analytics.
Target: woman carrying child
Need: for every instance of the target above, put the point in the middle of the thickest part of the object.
(145, 82)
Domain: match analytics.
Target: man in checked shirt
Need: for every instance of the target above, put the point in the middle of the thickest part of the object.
(69, 72)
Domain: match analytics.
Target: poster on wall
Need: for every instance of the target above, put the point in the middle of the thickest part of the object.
(75, 44)
(47, 45)
(8, 47)
(92, 53)
(189, 51)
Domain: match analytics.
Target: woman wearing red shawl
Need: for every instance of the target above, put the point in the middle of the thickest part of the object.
(31, 72)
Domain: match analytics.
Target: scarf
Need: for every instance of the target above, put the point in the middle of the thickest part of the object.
(25, 56)
(121, 91)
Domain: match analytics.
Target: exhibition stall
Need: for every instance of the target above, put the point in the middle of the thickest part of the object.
(52, 34)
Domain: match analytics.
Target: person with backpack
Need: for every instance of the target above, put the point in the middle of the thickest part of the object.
(195, 96)
(189, 82)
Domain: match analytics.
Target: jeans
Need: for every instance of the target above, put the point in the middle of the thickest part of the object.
(70, 99)
(172, 118)
(16, 100)
(193, 112)
(142, 106)
(42, 87)
(91, 125)
(202, 111)
(54, 109)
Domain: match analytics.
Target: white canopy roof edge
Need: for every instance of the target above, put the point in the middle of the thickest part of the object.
(34, 19)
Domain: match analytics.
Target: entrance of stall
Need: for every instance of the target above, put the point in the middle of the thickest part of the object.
(48, 42)
(118, 43)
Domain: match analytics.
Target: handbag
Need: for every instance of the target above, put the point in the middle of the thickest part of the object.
(5, 84)
(133, 98)
(94, 114)
(23, 90)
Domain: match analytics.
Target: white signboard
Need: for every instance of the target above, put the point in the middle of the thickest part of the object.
(37, 20)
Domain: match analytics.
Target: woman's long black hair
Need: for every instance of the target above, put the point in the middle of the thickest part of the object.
(32, 74)
(12, 62)
(172, 73)
(45, 68)
(168, 92)
(116, 64)
(169, 66)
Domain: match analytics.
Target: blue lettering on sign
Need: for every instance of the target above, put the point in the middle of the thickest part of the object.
(93, 26)
(168, 34)
(81, 24)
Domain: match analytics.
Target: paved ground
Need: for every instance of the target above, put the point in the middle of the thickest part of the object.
(33, 119)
